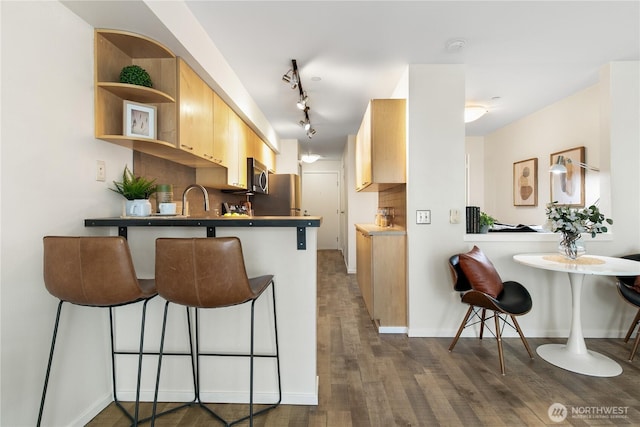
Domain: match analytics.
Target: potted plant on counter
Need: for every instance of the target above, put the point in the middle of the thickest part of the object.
(136, 190)
(486, 222)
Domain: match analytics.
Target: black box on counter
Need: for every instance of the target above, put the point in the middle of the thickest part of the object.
(473, 219)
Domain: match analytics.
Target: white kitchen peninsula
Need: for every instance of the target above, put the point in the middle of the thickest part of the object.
(283, 246)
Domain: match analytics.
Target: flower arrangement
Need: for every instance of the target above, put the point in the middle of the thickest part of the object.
(573, 222)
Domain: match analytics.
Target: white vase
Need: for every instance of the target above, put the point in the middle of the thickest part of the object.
(138, 207)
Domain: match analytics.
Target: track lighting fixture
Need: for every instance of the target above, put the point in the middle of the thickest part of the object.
(302, 103)
(293, 78)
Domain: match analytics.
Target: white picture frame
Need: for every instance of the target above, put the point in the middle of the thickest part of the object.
(139, 120)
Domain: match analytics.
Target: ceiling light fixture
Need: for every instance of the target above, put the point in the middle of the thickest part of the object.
(474, 112)
(560, 166)
(309, 158)
(293, 77)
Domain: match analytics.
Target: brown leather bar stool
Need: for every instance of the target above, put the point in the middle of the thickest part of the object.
(210, 273)
(95, 271)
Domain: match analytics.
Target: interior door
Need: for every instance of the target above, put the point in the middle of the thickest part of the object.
(321, 197)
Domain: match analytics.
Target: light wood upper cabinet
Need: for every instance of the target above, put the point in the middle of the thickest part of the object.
(195, 127)
(221, 139)
(381, 146)
(234, 175)
(196, 106)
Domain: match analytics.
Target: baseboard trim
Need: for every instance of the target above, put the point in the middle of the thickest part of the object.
(223, 397)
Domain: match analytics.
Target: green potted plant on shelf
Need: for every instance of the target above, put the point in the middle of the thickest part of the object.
(136, 190)
(486, 222)
(135, 75)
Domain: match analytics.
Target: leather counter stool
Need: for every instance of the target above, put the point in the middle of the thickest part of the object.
(207, 273)
(95, 272)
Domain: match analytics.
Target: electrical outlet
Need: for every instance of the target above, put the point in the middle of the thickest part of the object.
(423, 217)
(101, 171)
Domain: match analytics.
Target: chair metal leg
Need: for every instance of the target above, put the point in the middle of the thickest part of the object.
(635, 347)
(196, 398)
(135, 418)
(522, 337)
(462, 325)
(484, 317)
(277, 357)
(499, 339)
(632, 327)
(46, 377)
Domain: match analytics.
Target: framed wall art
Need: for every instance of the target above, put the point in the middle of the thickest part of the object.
(568, 188)
(525, 183)
(139, 120)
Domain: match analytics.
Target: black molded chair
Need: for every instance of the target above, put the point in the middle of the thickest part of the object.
(513, 300)
(207, 273)
(632, 296)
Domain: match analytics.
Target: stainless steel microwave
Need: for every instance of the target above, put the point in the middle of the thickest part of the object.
(257, 177)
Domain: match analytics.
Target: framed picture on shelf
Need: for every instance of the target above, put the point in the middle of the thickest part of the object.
(525, 183)
(139, 120)
(568, 188)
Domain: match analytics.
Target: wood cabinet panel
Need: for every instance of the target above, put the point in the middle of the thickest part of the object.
(381, 275)
(364, 259)
(221, 139)
(196, 113)
(381, 146)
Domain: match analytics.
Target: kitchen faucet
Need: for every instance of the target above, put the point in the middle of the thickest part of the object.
(185, 210)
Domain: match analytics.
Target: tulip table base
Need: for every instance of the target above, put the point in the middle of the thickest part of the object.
(588, 363)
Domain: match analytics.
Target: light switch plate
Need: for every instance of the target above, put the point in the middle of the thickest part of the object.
(423, 217)
(101, 171)
(454, 216)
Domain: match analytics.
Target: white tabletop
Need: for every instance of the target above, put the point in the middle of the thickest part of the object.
(586, 264)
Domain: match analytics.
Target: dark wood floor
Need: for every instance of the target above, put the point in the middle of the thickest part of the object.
(368, 379)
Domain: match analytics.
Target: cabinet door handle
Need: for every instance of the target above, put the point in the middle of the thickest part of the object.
(186, 146)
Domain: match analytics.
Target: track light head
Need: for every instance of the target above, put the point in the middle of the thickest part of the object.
(287, 76)
(302, 102)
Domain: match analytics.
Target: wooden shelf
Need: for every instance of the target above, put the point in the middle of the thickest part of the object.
(158, 148)
(136, 45)
(136, 93)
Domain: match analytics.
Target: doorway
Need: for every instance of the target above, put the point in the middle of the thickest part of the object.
(321, 197)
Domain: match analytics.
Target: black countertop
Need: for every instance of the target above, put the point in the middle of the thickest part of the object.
(184, 221)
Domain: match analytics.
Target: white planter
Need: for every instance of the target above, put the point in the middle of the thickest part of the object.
(138, 207)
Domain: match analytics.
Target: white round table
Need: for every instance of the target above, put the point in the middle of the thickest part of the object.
(574, 356)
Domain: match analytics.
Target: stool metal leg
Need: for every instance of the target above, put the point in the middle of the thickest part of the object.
(252, 355)
(134, 419)
(161, 353)
(46, 377)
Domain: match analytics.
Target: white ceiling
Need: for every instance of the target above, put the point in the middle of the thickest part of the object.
(519, 56)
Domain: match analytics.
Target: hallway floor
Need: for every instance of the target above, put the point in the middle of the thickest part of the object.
(367, 379)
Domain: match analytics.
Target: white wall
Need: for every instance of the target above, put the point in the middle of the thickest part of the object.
(435, 309)
(571, 122)
(474, 157)
(48, 187)
(435, 181)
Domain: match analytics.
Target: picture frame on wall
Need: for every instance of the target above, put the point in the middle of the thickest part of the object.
(568, 188)
(525, 182)
(139, 120)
